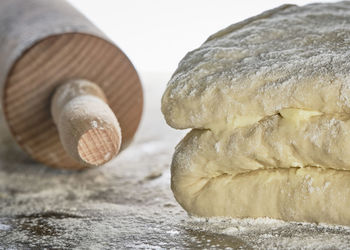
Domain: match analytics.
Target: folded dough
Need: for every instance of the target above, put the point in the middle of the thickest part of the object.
(269, 103)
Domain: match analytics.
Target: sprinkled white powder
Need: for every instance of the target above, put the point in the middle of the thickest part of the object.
(4, 227)
(217, 147)
(107, 156)
(326, 184)
(309, 181)
(94, 124)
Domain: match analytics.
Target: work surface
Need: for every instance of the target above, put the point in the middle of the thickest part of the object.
(128, 203)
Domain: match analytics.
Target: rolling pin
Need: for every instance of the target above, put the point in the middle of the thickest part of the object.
(70, 97)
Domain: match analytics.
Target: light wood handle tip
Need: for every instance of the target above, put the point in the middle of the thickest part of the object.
(98, 146)
(89, 130)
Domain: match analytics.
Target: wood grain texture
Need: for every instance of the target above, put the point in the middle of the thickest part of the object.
(97, 147)
(43, 44)
(51, 62)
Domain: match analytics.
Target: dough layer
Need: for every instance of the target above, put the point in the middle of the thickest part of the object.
(276, 168)
(291, 57)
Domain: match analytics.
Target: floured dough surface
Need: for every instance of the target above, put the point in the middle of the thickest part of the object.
(269, 103)
(295, 57)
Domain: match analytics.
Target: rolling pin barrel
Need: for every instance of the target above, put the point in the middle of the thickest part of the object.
(70, 97)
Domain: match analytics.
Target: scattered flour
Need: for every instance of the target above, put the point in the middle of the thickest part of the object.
(118, 207)
(107, 156)
(217, 147)
(265, 233)
(94, 124)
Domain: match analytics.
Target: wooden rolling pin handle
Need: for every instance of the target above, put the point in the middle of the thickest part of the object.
(89, 130)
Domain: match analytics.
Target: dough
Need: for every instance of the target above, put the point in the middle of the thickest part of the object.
(268, 101)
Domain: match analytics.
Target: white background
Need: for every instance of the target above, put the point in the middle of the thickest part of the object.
(156, 34)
